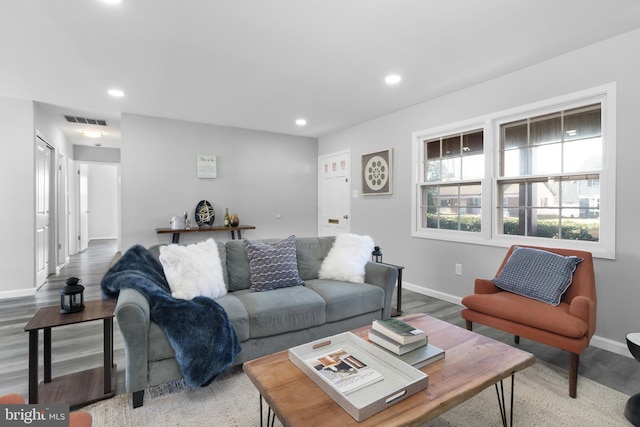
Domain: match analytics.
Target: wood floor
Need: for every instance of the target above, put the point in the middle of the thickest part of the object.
(79, 347)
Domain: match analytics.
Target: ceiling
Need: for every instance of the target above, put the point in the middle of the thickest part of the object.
(261, 65)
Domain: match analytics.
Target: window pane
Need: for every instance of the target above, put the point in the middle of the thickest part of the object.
(472, 156)
(451, 146)
(582, 155)
(433, 170)
(514, 162)
(471, 208)
(471, 220)
(432, 161)
(451, 169)
(515, 136)
(544, 194)
(581, 124)
(561, 208)
(432, 148)
(546, 159)
(429, 207)
(472, 143)
(546, 130)
(544, 223)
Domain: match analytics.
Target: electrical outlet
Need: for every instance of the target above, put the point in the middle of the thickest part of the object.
(458, 269)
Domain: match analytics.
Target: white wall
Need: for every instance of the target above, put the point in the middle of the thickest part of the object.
(17, 216)
(103, 196)
(430, 263)
(260, 175)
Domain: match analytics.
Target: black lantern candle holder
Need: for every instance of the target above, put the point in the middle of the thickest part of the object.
(72, 296)
(376, 255)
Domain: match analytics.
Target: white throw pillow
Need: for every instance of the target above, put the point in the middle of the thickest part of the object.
(347, 258)
(193, 270)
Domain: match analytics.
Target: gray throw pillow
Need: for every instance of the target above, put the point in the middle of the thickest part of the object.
(274, 265)
(537, 274)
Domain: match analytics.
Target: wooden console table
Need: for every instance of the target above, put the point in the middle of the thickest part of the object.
(176, 232)
(79, 388)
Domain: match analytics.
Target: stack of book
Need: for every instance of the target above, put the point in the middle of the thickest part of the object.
(409, 344)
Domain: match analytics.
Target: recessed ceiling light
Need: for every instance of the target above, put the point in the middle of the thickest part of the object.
(92, 133)
(393, 79)
(301, 122)
(116, 93)
(113, 1)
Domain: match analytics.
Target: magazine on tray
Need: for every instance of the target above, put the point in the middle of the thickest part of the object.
(343, 371)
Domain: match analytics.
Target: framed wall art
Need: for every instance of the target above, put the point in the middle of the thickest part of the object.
(207, 166)
(377, 177)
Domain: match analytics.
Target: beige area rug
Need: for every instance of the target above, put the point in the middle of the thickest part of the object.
(541, 399)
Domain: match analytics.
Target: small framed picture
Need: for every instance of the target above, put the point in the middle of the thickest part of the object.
(207, 166)
(377, 173)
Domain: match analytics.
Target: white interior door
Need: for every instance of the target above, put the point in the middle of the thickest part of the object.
(334, 198)
(83, 185)
(43, 209)
(63, 209)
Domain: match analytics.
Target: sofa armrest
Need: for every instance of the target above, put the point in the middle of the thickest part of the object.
(384, 276)
(132, 314)
(584, 308)
(485, 286)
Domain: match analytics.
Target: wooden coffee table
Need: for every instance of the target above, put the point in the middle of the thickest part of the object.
(472, 363)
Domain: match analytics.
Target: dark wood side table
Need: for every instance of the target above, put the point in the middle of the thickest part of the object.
(79, 388)
(395, 312)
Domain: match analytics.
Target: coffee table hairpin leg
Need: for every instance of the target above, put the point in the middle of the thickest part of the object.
(501, 403)
(271, 417)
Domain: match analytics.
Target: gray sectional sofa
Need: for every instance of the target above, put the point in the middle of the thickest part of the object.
(265, 322)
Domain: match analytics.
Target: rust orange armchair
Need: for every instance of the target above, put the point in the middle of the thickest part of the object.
(568, 326)
(76, 419)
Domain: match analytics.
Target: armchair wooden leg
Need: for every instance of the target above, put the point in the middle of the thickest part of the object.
(469, 325)
(516, 339)
(573, 374)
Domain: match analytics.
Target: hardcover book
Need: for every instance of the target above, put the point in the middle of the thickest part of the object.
(399, 331)
(344, 371)
(421, 357)
(391, 345)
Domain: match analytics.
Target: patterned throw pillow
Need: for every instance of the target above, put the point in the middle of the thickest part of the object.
(274, 265)
(537, 274)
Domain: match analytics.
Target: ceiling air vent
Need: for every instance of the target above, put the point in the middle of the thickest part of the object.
(86, 121)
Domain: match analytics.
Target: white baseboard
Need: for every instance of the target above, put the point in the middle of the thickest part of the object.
(596, 341)
(17, 293)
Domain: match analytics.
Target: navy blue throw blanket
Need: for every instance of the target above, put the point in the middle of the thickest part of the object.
(199, 330)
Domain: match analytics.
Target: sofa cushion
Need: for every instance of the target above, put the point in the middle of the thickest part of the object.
(516, 308)
(193, 270)
(347, 258)
(537, 274)
(282, 310)
(311, 251)
(273, 266)
(237, 314)
(346, 299)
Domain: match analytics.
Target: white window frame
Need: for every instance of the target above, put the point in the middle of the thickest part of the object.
(604, 248)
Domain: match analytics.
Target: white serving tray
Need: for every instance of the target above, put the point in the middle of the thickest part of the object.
(400, 380)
